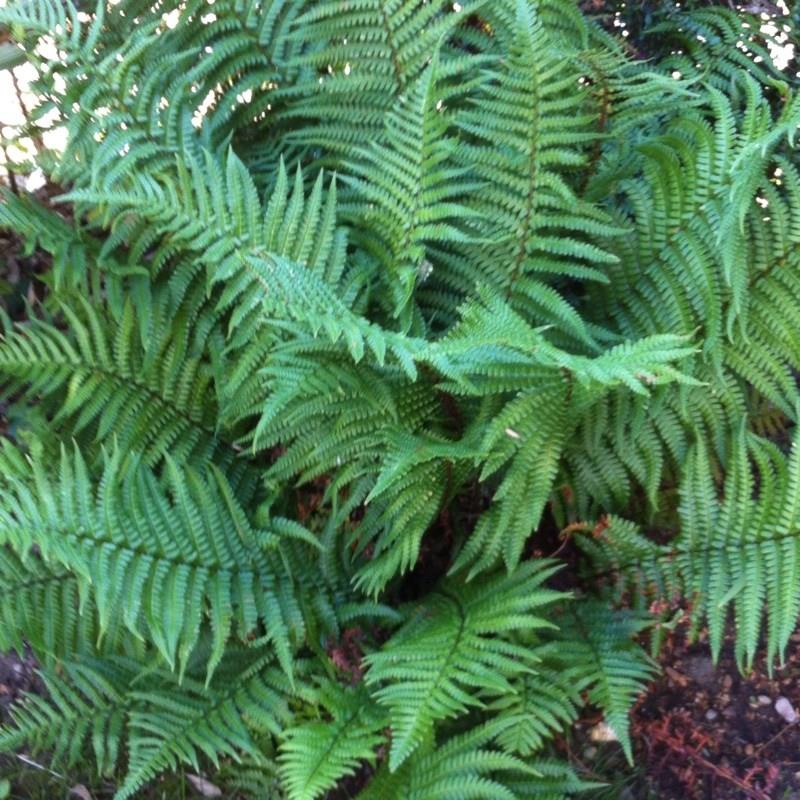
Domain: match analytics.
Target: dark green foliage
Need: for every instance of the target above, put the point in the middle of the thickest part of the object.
(353, 307)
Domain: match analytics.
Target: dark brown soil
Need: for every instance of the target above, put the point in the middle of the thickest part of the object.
(17, 676)
(710, 733)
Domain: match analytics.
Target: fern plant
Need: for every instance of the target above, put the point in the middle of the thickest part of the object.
(352, 308)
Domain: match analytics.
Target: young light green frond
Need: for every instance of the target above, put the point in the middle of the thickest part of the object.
(455, 647)
(288, 290)
(316, 755)
(494, 348)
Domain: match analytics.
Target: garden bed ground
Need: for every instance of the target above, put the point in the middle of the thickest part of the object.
(706, 733)
(700, 733)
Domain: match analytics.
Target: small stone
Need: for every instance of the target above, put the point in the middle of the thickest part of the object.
(749, 750)
(204, 787)
(711, 715)
(602, 732)
(589, 753)
(785, 709)
(763, 700)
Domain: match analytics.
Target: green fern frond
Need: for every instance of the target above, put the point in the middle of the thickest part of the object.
(45, 607)
(98, 378)
(466, 765)
(316, 755)
(737, 550)
(544, 703)
(86, 704)
(409, 190)
(114, 706)
(157, 562)
(319, 420)
(171, 724)
(598, 646)
(523, 133)
(454, 646)
(356, 61)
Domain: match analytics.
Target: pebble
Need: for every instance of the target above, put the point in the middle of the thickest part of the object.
(589, 753)
(785, 709)
(711, 715)
(763, 700)
(602, 732)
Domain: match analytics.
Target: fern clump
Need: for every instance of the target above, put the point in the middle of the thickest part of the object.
(353, 307)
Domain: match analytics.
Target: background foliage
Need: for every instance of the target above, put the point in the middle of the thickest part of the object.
(400, 364)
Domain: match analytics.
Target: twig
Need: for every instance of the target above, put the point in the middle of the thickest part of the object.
(769, 741)
(31, 763)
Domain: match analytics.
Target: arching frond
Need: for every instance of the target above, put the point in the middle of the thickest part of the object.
(737, 549)
(98, 378)
(115, 706)
(158, 563)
